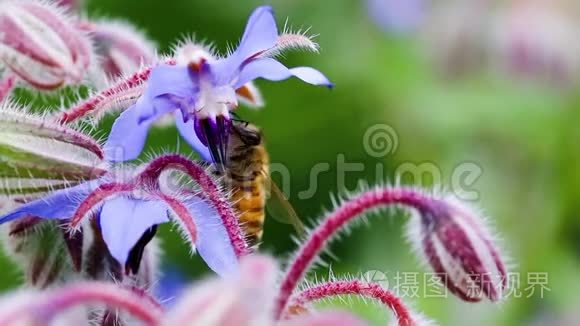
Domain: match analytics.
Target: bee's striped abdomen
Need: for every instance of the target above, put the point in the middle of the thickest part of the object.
(247, 175)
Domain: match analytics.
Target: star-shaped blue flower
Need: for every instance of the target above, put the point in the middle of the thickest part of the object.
(123, 219)
(200, 90)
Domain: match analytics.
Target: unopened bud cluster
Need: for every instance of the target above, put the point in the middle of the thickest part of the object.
(41, 44)
(46, 46)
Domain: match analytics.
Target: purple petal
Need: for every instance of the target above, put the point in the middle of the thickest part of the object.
(129, 132)
(174, 80)
(60, 204)
(271, 69)
(214, 133)
(151, 108)
(213, 242)
(124, 220)
(186, 129)
(311, 76)
(261, 34)
(168, 88)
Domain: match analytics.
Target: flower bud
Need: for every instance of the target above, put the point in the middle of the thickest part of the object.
(40, 44)
(36, 155)
(122, 48)
(536, 40)
(460, 249)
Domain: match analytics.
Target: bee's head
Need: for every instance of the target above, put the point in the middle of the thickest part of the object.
(247, 133)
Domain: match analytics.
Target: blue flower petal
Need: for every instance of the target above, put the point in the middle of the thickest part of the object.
(311, 76)
(130, 129)
(261, 34)
(60, 204)
(213, 242)
(186, 129)
(127, 136)
(168, 88)
(174, 80)
(271, 69)
(124, 220)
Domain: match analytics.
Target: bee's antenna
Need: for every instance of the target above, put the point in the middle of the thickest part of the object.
(236, 118)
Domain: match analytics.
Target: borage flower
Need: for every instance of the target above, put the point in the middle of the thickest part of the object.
(128, 212)
(201, 89)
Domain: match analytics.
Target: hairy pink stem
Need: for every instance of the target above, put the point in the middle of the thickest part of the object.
(209, 188)
(333, 223)
(146, 296)
(87, 106)
(7, 85)
(49, 304)
(183, 215)
(106, 293)
(355, 287)
(96, 197)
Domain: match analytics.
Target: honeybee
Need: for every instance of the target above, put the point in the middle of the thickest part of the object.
(247, 176)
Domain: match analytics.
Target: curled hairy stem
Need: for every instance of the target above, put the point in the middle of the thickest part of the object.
(333, 223)
(92, 104)
(354, 287)
(183, 215)
(98, 196)
(209, 188)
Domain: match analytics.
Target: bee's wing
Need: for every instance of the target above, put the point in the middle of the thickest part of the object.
(280, 209)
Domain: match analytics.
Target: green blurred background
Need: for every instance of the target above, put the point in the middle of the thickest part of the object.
(522, 136)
